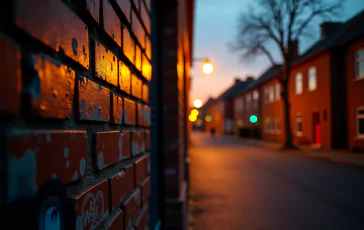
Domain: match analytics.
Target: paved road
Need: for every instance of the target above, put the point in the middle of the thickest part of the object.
(243, 187)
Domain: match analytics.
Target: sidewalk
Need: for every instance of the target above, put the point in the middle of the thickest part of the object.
(339, 156)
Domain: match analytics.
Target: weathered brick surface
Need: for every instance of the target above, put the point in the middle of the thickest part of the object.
(121, 185)
(50, 88)
(147, 139)
(10, 76)
(125, 7)
(145, 190)
(148, 48)
(138, 30)
(145, 93)
(112, 24)
(106, 64)
(142, 221)
(108, 149)
(93, 6)
(131, 208)
(146, 116)
(124, 78)
(92, 206)
(138, 58)
(138, 142)
(140, 169)
(136, 85)
(64, 31)
(117, 109)
(149, 162)
(128, 46)
(147, 69)
(93, 101)
(38, 156)
(145, 17)
(117, 222)
(129, 112)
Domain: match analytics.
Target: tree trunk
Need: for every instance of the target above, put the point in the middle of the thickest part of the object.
(288, 142)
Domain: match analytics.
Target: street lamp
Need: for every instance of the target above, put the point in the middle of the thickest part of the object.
(207, 66)
(197, 103)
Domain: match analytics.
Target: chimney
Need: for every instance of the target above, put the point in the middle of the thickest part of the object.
(237, 80)
(249, 78)
(294, 48)
(328, 27)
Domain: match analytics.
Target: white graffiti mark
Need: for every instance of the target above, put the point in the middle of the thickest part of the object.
(92, 210)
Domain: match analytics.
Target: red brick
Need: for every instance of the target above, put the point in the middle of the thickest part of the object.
(106, 64)
(112, 23)
(128, 46)
(93, 6)
(94, 101)
(109, 149)
(147, 3)
(41, 155)
(138, 142)
(126, 143)
(136, 3)
(149, 162)
(146, 116)
(140, 169)
(145, 17)
(140, 114)
(142, 221)
(63, 31)
(121, 185)
(147, 139)
(117, 223)
(145, 93)
(10, 76)
(129, 112)
(131, 208)
(92, 206)
(138, 30)
(124, 78)
(148, 48)
(146, 68)
(117, 109)
(145, 190)
(125, 7)
(138, 58)
(136, 86)
(51, 88)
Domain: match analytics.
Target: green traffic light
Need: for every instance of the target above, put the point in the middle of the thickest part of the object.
(253, 119)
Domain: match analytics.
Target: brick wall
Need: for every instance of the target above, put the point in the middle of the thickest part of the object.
(74, 113)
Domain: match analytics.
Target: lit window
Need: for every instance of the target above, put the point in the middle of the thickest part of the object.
(271, 93)
(266, 95)
(360, 122)
(278, 91)
(359, 64)
(299, 125)
(312, 79)
(298, 84)
(255, 99)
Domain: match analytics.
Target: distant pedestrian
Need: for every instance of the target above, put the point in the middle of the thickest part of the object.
(212, 131)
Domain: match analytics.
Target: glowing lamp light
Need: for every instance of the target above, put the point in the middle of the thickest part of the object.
(207, 67)
(197, 103)
(253, 119)
(192, 118)
(208, 118)
(194, 112)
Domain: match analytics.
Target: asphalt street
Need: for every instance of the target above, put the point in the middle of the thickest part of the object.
(238, 186)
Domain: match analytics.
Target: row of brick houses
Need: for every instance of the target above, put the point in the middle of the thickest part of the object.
(326, 93)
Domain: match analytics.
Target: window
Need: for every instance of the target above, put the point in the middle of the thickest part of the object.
(360, 122)
(277, 125)
(299, 125)
(278, 91)
(312, 80)
(248, 101)
(359, 64)
(271, 93)
(298, 84)
(266, 95)
(238, 104)
(255, 99)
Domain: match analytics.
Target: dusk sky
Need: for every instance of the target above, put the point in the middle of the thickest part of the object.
(215, 27)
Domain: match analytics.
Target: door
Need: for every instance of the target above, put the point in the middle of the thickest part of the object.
(316, 128)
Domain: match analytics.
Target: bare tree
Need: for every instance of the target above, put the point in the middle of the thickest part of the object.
(280, 22)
